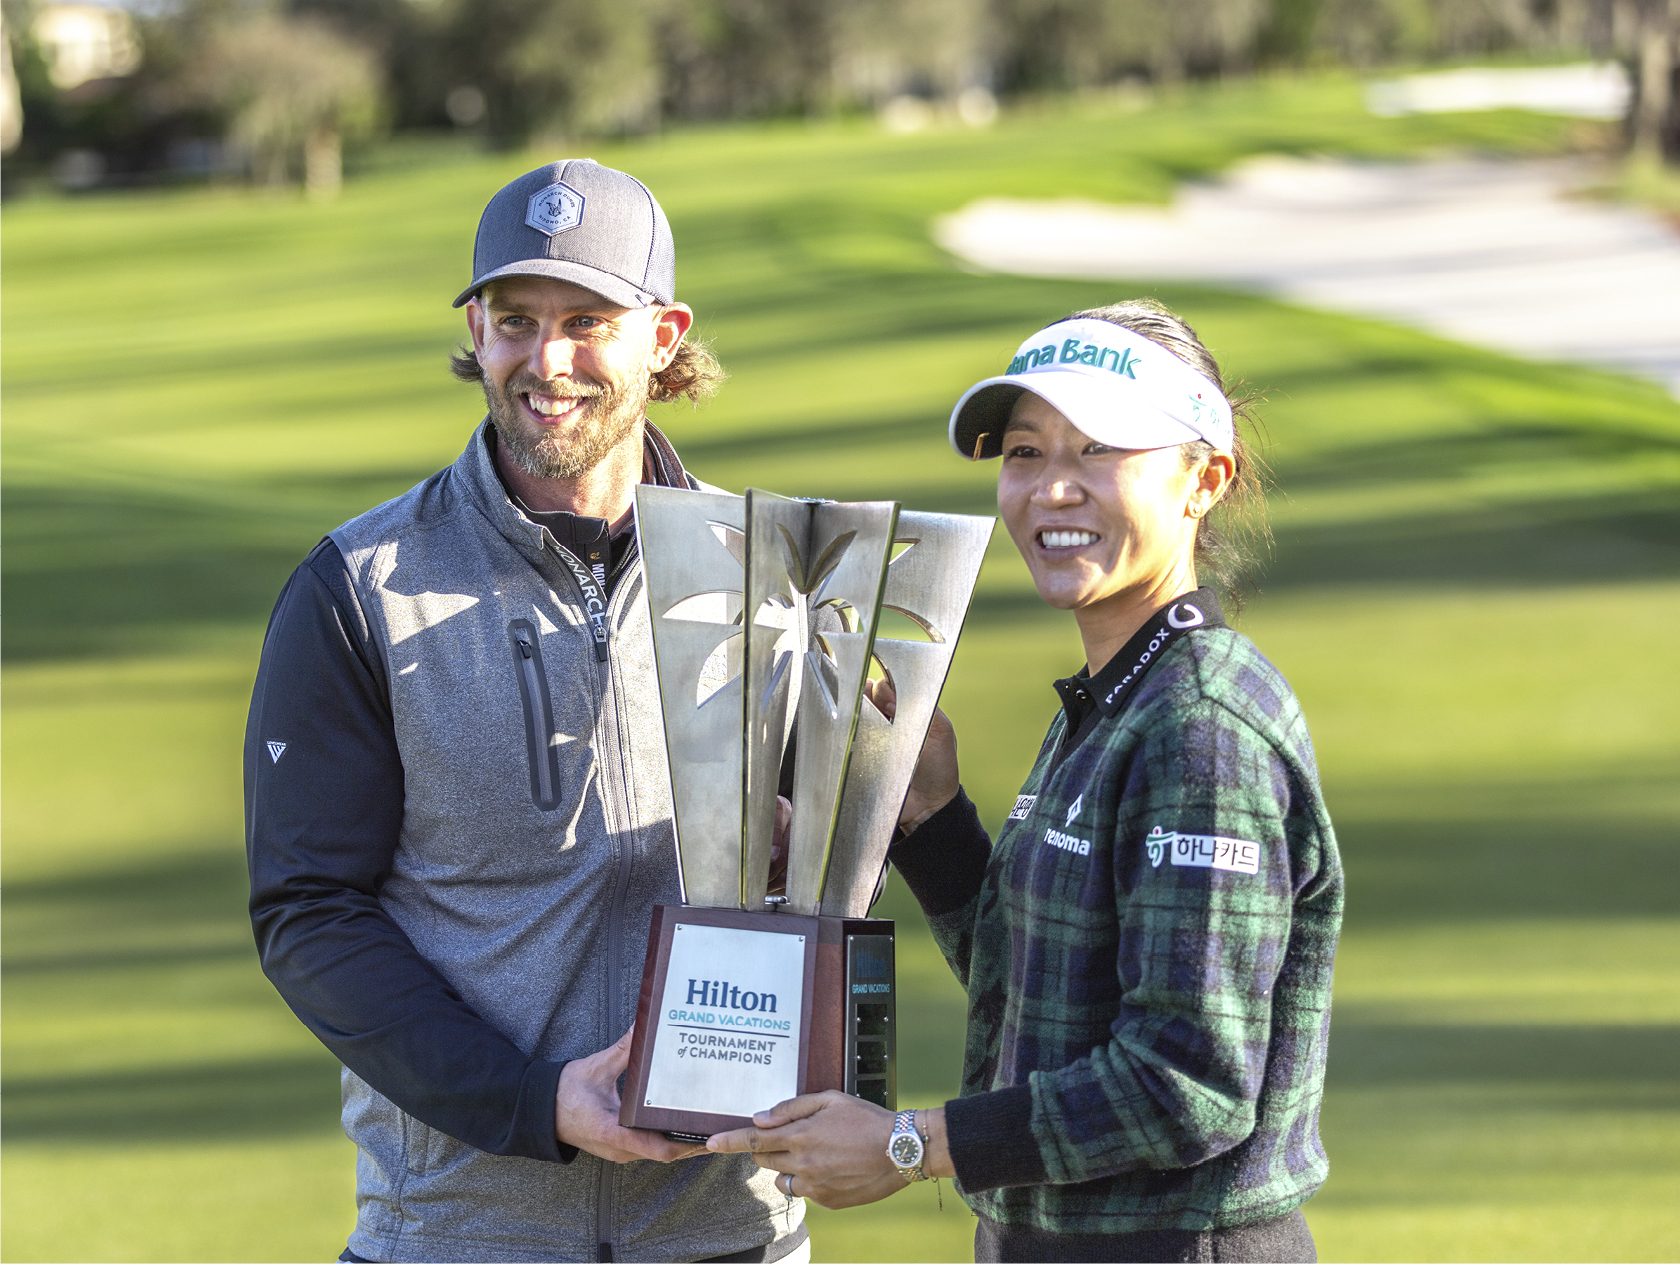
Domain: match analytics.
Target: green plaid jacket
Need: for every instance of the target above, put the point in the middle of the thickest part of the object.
(1147, 952)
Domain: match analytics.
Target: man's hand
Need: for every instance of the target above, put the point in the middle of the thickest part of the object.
(586, 1112)
(834, 1144)
(935, 782)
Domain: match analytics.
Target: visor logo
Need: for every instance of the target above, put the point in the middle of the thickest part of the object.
(555, 210)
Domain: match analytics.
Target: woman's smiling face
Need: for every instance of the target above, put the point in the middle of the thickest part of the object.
(1096, 522)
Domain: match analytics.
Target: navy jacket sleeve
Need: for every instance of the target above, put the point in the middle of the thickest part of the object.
(323, 812)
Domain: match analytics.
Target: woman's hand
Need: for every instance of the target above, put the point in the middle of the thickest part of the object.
(935, 782)
(834, 1145)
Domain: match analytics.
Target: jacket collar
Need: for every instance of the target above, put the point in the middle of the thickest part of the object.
(476, 467)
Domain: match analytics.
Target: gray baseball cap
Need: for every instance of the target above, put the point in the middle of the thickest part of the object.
(581, 222)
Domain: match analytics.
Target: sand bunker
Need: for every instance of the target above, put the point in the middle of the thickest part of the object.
(1497, 253)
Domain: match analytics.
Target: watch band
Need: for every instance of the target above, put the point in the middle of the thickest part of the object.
(905, 1148)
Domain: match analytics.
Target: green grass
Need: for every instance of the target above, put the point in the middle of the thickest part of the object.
(1476, 581)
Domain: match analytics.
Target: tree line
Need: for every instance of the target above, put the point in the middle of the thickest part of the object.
(275, 88)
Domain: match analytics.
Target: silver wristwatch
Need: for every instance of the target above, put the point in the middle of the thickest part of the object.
(904, 1147)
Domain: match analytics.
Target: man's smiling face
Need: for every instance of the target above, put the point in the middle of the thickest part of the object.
(565, 371)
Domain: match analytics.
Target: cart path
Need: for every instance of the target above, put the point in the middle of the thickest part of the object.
(1495, 253)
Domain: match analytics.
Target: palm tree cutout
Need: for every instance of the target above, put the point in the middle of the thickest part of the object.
(825, 564)
(809, 582)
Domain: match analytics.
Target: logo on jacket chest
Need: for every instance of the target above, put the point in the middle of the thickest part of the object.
(1067, 842)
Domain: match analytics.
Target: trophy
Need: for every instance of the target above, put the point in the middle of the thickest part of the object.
(767, 620)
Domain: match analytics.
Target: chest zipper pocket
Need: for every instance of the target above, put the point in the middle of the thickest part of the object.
(539, 715)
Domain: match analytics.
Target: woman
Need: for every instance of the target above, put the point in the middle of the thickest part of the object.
(1147, 949)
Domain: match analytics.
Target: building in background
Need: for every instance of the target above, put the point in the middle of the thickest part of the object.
(84, 42)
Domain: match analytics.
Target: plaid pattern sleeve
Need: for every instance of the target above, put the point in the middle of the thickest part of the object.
(943, 862)
(1151, 960)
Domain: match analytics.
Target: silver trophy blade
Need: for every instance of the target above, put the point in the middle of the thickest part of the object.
(841, 571)
(765, 613)
(931, 582)
(692, 546)
(779, 617)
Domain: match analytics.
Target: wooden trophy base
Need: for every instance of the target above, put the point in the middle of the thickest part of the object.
(739, 1011)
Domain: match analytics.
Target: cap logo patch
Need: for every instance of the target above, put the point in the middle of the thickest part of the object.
(555, 210)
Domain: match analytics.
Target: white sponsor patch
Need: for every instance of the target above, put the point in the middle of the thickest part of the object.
(1073, 812)
(275, 750)
(1023, 805)
(1067, 842)
(555, 209)
(1203, 851)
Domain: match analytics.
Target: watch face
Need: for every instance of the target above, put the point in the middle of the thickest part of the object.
(906, 1149)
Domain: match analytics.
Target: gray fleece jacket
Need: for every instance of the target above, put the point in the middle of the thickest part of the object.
(454, 856)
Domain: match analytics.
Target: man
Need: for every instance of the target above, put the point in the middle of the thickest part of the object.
(457, 807)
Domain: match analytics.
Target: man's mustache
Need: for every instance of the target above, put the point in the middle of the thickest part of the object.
(522, 383)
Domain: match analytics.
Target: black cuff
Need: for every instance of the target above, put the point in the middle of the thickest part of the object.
(991, 1140)
(535, 1111)
(944, 859)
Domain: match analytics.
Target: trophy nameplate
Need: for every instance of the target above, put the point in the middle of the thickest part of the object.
(766, 619)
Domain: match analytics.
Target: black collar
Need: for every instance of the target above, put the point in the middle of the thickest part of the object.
(1121, 675)
(1089, 699)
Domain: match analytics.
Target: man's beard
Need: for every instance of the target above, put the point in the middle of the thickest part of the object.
(610, 417)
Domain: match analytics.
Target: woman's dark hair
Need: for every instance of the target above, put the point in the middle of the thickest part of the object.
(694, 371)
(1230, 539)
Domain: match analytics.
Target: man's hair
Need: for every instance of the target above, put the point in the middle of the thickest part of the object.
(1228, 553)
(694, 371)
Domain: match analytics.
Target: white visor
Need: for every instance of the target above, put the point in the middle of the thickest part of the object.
(1114, 385)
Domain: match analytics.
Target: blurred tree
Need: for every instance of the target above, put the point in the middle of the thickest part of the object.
(723, 58)
(411, 42)
(1289, 32)
(927, 48)
(1654, 124)
(565, 66)
(287, 81)
(1063, 44)
(289, 88)
(1372, 32)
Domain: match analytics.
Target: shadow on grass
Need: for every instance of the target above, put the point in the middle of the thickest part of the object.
(115, 569)
(1600, 845)
(108, 570)
(259, 1097)
(1366, 1054)
(279, 1096)
(149, 916)
(1579, 540)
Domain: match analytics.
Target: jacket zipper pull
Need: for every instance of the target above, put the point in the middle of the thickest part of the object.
(524, 643)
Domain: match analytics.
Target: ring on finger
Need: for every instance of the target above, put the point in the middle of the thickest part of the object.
(785, 1181)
